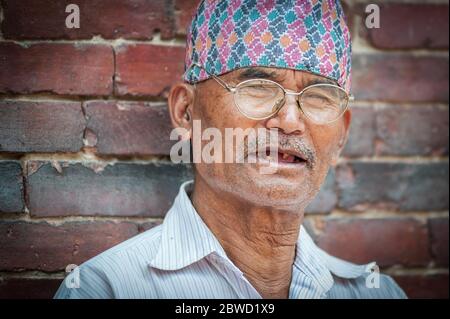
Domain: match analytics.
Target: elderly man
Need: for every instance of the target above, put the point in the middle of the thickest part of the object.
(280, 66)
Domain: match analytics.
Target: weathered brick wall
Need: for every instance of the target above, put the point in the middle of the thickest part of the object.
(84, 139)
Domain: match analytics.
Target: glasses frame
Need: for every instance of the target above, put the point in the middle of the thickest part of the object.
(233, 89)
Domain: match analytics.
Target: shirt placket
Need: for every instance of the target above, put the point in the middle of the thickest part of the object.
(236, 279)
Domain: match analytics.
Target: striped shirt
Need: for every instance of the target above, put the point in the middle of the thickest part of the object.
(181, 258)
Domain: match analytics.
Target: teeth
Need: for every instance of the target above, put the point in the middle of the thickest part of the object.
(285, 156)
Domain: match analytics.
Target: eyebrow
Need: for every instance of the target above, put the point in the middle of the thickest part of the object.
(321, 81)
(256, 73)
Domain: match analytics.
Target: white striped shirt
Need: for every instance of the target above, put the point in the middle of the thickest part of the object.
(182, 258)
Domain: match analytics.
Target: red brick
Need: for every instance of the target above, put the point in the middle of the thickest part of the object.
(127, 128)
(438, 228)
(28, 288)
(149, 225)
(148, 70)
(11, 187)
(408, 130)
(184, 12)
(362, 132)
(45, 247)
(409, 26)
(385, 241)
(81, 69)
(400, 77)
(390, 185)
(41, 126)
(45, 19)
(424, 286)
(326, 199)
(122, 189)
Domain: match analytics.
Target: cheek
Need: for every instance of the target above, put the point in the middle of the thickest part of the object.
(217, 111)
(222, 114)
(325, 140)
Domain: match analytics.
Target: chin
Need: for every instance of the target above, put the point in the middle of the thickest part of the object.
(292, 190)
(274, 190)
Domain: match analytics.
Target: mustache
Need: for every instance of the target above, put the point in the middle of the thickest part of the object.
(284, 141)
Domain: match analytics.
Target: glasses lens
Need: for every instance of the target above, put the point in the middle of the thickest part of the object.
(258, 98)
(323, 103)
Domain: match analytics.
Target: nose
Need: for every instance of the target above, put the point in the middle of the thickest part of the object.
(289, 118)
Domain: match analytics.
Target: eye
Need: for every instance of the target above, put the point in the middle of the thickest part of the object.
(260, 91)
(322, 97)
(320, 100)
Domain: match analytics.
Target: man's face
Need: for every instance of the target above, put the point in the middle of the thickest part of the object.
(294, 185)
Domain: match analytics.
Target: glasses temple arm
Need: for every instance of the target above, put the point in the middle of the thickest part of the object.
(218, 80)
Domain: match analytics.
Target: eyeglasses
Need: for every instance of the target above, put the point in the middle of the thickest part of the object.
(259, 99)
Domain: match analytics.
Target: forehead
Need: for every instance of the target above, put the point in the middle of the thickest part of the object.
(278, 74)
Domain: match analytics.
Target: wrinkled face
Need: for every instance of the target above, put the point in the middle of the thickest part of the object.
(296, 182)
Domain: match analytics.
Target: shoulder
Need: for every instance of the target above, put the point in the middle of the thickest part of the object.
(370, 286)
(359, 281)
(98, 277)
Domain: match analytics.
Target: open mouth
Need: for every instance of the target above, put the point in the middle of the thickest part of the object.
(283, 156)
(290, 158)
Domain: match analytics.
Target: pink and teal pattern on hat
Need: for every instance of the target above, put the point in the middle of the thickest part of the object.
(306, 35)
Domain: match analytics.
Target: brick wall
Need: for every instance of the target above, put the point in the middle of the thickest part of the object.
(84, 139)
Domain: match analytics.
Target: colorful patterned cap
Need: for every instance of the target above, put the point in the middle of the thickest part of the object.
(307, 35)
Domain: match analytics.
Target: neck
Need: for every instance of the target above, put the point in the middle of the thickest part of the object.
(260, 241)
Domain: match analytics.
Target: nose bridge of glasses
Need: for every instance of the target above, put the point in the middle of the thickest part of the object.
(290, 92)
(283, 103)
(296, 95)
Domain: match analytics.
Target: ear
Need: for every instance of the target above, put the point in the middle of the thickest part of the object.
(181, 106)
(344, 132)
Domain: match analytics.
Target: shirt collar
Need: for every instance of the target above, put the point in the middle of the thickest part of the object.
(186, 239)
